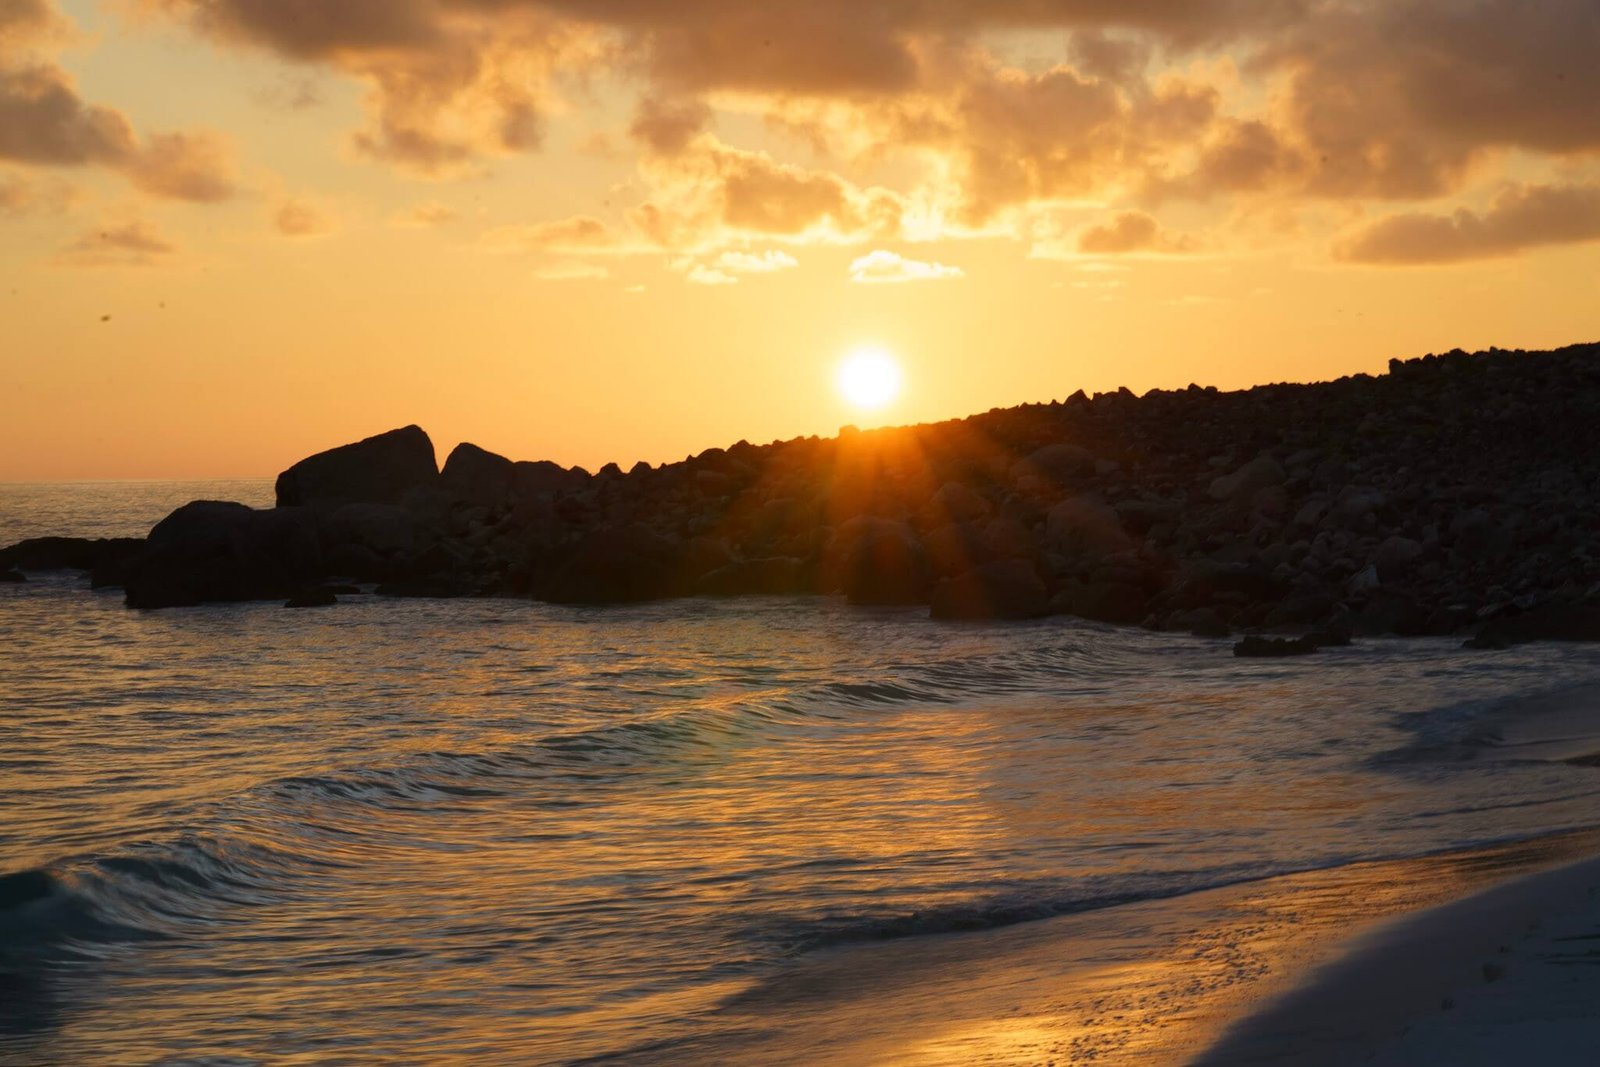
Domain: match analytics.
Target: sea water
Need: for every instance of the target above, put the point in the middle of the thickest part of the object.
(499, 831)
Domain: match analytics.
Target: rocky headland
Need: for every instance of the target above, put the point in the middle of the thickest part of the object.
(1458, 493)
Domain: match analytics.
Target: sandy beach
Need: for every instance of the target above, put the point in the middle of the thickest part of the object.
(1353, 964)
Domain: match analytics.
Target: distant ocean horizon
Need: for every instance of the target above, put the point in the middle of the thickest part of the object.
(505, 831)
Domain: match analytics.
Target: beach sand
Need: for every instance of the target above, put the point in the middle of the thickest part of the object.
(1259, 972)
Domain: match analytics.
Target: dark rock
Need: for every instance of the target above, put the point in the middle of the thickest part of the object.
(380, 468)
(1263, 472)
(1059, 464)
(1007, 589)
(1085, 529)
(12, 576)
(618, 565)
(319, 597)
(433, 588)
(1107, 601)
(478, 475)
(215, 551)
(1552, 622)
(774, 576)
(543, 477)
(68, 553)
(876, 561)
(1275, 647)
(1200, 622)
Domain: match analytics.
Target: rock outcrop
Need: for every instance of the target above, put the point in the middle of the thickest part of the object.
(1452, 494)
(382, 468)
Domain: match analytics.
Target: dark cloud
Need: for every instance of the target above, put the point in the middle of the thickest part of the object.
(130, 244)
(1131, 231)
(1519, 218)
(43, 121)
(300, 218)
(1398, 98)
(667, 126)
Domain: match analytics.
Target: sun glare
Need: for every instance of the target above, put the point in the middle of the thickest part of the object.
(869, 378)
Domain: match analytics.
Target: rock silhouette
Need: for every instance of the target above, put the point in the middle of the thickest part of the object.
(1455, 493)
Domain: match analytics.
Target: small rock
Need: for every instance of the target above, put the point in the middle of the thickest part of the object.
(1274, 647)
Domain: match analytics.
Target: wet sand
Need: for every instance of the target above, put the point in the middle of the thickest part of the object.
(1156, 982)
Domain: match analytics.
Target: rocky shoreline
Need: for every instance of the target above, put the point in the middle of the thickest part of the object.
(1456, 494)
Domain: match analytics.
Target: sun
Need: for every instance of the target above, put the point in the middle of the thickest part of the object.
(869, 378)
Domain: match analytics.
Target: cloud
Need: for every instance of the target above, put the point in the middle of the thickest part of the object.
(700, 274)
(667, 126)
(579, 233)
(427, 215)
(184, 166)
(1519, 218)
(133, 244)
(449, 82)
(20, 196)
(1131, 231)
(44, 122)
(299, 218)
(883, 267)
(1399, 99)
(714, 194)
(768, 262)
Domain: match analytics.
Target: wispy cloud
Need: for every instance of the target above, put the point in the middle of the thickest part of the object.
(884, 267)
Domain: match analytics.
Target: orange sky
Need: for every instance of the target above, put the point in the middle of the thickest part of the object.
(239, 231)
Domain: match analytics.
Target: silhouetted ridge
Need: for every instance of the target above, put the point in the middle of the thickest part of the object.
(1453, 491)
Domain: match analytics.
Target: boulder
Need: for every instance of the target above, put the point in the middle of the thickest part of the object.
(1060, 464)
(380, 468)
(541, 477)
(1549, 622)
(1242, 485)
(615, 565)
(1116, 602)
(478, 476)
(317, 597)
(773, 576)
(211, 550)
(1201, 622)
(1394, 557)
(68, 553)
(955, 502)
(1083, 529)
(1005, 589)
(12, 576)
(876, 561)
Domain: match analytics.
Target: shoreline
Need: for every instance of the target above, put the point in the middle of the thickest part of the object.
(1503, 975)
(1160, 982)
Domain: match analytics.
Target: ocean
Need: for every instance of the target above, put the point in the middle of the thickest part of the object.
(500, 831)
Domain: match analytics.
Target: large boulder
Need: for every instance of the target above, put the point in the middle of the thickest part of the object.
(477, 475)
(1085, 530)
(381, 468)
(613, 566)
(1005, 589)
(1547, 622)
(541, 477)
(211, 550)
(371, 542)
(1060, 464)
(877, 561)
(773, 576)
(67, 553)
(1242, 485)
